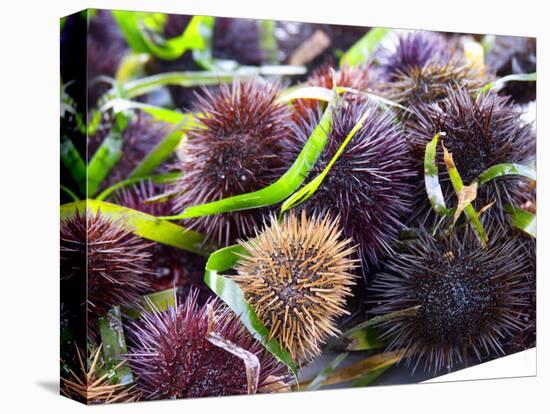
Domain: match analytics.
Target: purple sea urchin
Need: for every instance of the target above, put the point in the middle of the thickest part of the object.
(527, 338)
(469, 298)
(239, 147)
(413, 51)
(117, 263)
(237, 39)
(368, 185)
(296, 275)
(480, 132)
(174, 353)
(515, 55)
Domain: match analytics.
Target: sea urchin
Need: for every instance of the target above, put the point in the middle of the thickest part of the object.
(177, 354)
(469, 299)
(103, 253)
(89, 381)
(237, 148)
(358, 78)
(413, 50)
(432, 83)
(480, 132)
(369, 183)
(296, 275)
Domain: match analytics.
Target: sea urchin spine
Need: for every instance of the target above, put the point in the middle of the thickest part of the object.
(296, 275)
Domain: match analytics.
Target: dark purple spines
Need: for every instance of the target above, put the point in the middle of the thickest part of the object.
(470, 299)
(117, 263)
(368, 185)
(172, 357)
(480, 132)
(239, 147)
(515, 55)
(414, 50)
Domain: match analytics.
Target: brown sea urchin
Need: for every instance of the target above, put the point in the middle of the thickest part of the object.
(296, 275)
(237, 148)
(469, 298)
(117, 263)
(89, 381)
(433, 82)
(177, 354)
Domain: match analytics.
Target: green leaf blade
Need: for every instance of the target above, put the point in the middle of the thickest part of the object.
(364, 48)
(114, 345)
(104, 160)
(281, 188)
(501, 170)
(144, 225)
(71, 159)
(523, 220)
(309, 189)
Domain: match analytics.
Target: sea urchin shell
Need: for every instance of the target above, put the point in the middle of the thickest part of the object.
(296, 275)
(173, 355)
(469, 298)
(237, 148)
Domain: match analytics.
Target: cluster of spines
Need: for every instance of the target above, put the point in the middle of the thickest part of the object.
(413, 50)
(480, 131)
(173, 357)
(429, 84)
(469, 299)
(108, 257)
(358, 78)
(297, 276)
(89, 381)
(369, 183)
(238, 147)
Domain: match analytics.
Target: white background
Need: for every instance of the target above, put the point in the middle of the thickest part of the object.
(29, 202)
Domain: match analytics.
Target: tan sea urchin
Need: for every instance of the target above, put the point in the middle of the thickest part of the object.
(296, 275)
(89, 382)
